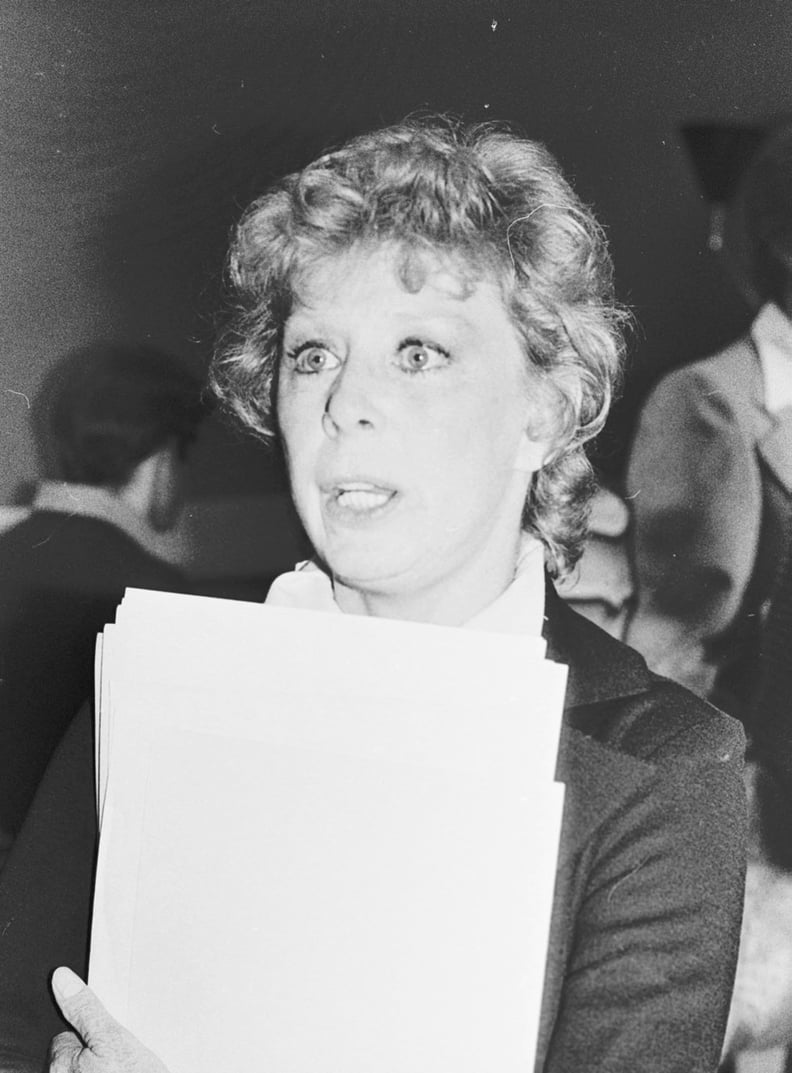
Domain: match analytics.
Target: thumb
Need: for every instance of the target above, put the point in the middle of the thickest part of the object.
(82, 1009)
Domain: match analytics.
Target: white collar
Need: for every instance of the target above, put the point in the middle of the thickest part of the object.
(519, 609)
(92, 501)
(771, 332)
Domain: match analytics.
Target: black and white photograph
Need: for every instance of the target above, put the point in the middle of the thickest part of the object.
(396, 536)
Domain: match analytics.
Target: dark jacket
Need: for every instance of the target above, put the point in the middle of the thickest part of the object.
(61, 578)
(649, 891)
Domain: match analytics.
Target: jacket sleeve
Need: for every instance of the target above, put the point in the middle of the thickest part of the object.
(694, 489)
(654, 949)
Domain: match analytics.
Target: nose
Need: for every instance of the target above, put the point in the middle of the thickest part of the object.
(353, 401)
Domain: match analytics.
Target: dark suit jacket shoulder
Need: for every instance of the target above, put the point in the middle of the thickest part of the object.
(85, 560)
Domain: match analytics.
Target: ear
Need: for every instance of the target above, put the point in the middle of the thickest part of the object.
(153, 490)
(551, 417)
(533, 451)
(542, 433)
(165, 487)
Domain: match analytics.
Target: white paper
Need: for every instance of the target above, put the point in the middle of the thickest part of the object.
(328, 843)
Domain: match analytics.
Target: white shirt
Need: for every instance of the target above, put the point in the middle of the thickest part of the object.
(519, 609)
(771, 332)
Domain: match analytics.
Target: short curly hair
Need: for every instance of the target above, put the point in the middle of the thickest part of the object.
(499, 204)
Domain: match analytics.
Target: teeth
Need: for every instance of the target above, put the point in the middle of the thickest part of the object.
(357, 499)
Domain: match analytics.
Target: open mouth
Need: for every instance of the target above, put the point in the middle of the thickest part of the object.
(360, 497)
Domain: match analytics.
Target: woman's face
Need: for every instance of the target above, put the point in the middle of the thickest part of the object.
(406, 420)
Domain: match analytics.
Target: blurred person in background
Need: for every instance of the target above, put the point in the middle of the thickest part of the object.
(710, 486)
(710, 473)
(113, 425)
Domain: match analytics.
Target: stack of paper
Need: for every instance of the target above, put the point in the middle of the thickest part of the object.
(328, 842)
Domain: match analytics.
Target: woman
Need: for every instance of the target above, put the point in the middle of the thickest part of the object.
(426, 318)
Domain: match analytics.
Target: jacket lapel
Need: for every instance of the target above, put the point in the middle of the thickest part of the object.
(600, 669)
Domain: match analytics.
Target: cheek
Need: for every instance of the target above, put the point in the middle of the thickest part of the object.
(494, 423)
(300, 462)
(296, 424)
(464, 449)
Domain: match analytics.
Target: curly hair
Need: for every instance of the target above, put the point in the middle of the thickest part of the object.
(496, 202)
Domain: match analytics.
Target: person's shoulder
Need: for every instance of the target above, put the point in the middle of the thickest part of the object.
(21, 530)
(54, 532)
(617, 704)
(25, 545)
(668, 724)
(83, 553)
(727, 370)
(645, 742)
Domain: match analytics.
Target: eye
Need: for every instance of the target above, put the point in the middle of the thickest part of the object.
(418, 357)
(312, 358)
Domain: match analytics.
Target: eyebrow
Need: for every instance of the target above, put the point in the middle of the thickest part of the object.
(306, 344)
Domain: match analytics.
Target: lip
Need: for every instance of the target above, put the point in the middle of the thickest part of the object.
(355, 483)
(358, 499)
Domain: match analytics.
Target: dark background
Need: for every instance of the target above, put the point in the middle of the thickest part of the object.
(133, 134)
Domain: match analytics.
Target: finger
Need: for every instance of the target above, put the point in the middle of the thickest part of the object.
(82, 1009)
(106, 1045)
(64, 1053)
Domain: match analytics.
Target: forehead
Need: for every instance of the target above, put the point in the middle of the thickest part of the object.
(446, 282)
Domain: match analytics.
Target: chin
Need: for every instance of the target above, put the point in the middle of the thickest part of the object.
(374, 572)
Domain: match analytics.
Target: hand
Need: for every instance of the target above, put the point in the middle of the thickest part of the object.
(99, 1043)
